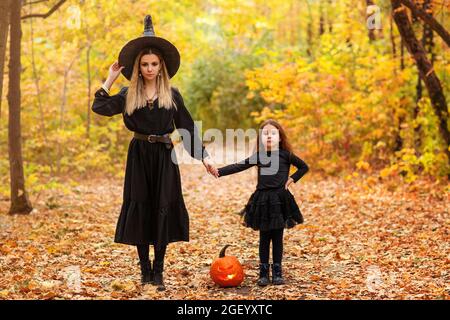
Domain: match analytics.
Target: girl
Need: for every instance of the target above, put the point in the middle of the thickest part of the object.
(153, 210)
(271, 207)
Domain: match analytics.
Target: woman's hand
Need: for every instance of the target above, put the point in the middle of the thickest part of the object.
(215, 172)
(114, 72)
(288, 182)
(210, 168)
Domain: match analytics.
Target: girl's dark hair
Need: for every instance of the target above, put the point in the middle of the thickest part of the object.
(284, 143)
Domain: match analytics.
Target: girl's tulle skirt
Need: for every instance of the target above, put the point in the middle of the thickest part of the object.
(271, 209)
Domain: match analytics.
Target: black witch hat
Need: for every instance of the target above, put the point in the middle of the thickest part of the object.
(129, 52)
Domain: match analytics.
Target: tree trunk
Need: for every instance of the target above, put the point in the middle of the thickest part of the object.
(427, 43)
(4, 28)
(428, 19)
(309, 31)
(321, 22)
(19, 197)
(426, 71)
(89, 85)
(398, 139)
(394, 48)
(294, 13)
(85, 25)
(36, 84)
(330, 22)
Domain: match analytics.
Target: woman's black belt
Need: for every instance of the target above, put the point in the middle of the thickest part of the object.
(152, 138)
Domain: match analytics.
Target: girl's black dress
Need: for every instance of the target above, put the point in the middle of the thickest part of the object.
(153, 209)
(271, 206)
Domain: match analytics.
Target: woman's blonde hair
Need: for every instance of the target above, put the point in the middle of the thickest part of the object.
(136, 95)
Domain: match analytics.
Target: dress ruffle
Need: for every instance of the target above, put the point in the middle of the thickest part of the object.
(142, 223)
(271, 209)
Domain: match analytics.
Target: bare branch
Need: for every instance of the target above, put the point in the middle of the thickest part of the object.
(428, 19)
(34, 2)
(44, 15)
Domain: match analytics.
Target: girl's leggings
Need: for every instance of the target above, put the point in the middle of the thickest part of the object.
(276, 236)
(144, 253)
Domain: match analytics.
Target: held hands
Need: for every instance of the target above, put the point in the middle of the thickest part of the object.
(288, 182)
(210, 168)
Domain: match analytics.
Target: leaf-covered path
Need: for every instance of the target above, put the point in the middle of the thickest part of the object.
(361, 239)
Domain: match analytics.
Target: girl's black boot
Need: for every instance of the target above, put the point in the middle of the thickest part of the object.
(277, 276)
(146, 272)
(263, 274)
(159, 281)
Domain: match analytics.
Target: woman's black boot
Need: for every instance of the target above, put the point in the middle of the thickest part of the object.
(277, 276)
(146, 272)
(263, 274)
(159, 268)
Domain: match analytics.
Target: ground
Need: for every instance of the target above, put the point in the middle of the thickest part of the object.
(362, 239)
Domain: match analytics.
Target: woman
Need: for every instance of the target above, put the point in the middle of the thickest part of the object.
(153, 210)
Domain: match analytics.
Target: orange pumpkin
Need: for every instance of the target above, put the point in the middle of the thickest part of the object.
(226, 271)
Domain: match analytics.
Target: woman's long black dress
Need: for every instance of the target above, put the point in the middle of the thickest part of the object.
(153, 209)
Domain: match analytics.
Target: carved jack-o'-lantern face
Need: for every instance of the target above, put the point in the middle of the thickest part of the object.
(226, 271)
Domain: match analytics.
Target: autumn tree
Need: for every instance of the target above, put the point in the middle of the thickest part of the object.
(424, 65)
(20, 202)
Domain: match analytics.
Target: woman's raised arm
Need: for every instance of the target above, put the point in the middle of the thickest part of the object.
(105, 104)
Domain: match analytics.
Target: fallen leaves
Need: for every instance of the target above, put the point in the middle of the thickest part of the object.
(121, 285)
(372, 242)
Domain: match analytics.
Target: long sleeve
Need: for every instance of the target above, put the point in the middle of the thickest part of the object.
(239, 166)
(107, 105)
(183, 120)
(301, 166)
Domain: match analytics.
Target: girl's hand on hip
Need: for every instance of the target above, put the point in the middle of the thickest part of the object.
(288, 182)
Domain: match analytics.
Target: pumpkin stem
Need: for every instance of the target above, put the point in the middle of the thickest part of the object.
(222, 252)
